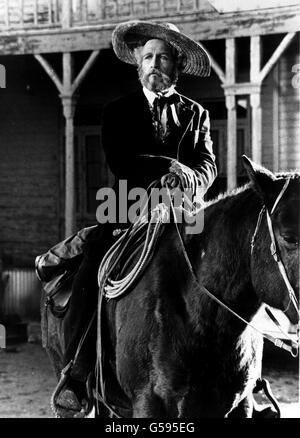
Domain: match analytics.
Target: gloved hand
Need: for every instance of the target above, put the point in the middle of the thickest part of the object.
(171, 180)
(180, 176)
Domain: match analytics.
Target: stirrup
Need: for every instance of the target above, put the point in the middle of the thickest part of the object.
(263, 384)
(65, 375)
(89, 392)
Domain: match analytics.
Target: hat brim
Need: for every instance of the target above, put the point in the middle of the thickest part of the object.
(197, 61)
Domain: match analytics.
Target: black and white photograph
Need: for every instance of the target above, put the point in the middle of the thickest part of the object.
(149, 212)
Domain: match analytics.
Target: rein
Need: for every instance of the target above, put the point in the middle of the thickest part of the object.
(292, 349)
(115, 288)
(276, 256)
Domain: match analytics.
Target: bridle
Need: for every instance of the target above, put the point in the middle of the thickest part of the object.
(117, 289)
(293, 349)
(273, 247)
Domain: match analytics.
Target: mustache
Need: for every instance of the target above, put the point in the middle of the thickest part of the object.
(157, 72)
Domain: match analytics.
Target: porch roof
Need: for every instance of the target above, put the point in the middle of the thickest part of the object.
(47, 26)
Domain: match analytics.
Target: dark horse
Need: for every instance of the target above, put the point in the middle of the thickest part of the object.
(173, 350)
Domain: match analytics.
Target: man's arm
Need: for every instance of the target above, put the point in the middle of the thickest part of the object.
(205, 161)
(196, 158)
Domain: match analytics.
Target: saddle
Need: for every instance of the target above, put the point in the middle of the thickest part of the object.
(57, 268)
(58, 288)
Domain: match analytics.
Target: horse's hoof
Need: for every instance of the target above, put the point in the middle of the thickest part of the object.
(68, 406)
(68, 400)
(266, 413)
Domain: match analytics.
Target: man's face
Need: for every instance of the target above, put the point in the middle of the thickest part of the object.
(156, 65)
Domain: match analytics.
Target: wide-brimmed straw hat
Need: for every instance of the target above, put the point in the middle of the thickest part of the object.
(128, 35)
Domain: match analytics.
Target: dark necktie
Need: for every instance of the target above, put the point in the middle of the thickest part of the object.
(158, 107)
(160, 102)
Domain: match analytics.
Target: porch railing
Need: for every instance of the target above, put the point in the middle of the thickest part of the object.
(30, 14)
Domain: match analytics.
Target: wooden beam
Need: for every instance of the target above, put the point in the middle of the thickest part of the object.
(275, 119)
(50, 71)
(230, 61)
(89, 63)
(97, 36)
(67, 90)
(68, 69)
(66, 13)
(240, 88)
(255, 99)
(101, 9)
(276, 55)
(255, 58)
(6, 14)
(212, 26)
(35, 12)
(21, 9)
(69, 103)
(256, 127)
(54, 42)
(49, 6)
(231, 142)
(55, 11)
(2, 76)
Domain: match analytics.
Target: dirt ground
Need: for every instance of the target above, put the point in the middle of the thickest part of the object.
(27, 381)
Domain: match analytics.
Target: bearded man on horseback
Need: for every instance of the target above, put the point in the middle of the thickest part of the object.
(153, 134)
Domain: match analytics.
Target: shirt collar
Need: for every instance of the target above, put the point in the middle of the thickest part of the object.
(150, 95)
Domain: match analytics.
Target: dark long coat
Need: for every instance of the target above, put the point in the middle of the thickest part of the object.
(128, 133)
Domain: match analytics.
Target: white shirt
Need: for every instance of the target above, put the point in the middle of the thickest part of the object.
(150, 96)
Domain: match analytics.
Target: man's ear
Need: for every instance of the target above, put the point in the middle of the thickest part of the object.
(263, 180)
(181, 61)
(137, 52)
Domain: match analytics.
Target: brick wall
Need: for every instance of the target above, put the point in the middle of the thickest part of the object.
(29, 162)
(31, 132)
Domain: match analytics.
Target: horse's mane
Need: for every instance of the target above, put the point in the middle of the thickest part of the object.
(289, 174)
(227, 195)
(230, 194)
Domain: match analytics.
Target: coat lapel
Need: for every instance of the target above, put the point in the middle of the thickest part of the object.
(143, 119)
(185, 116)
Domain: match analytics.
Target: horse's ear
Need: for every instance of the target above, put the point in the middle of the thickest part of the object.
(261, 178)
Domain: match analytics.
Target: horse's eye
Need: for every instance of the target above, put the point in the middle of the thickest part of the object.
(291, 239)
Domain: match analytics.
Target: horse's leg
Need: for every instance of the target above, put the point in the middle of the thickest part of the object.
(148, 405)
(244, 409)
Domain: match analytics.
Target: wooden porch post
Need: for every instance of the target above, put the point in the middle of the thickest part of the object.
(256, 126)
(68, 102)
(2, 76)
(255, 99)
(67, 88)
(231, 115)
(231, 141)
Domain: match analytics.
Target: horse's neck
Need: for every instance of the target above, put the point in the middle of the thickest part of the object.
(221, 258)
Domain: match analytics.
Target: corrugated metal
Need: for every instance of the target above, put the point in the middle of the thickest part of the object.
(22, 293)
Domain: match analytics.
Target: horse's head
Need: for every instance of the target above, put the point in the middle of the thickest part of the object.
(275, 277)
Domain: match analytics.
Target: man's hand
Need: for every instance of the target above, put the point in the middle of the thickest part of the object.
(180, 176)
(171, 181)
